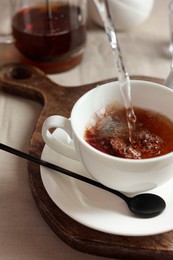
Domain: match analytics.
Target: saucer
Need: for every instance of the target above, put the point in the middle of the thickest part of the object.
(99, 209)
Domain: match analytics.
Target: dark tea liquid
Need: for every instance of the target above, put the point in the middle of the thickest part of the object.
(153, 134)
(43, 39)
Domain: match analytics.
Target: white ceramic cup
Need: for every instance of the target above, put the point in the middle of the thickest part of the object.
(126, 14)
(127, 175)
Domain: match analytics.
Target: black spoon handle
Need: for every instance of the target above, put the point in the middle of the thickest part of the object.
(60, 169)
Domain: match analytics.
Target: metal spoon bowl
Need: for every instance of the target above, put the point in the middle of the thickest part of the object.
(144, 205)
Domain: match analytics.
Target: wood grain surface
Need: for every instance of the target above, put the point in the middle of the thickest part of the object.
(31, 83)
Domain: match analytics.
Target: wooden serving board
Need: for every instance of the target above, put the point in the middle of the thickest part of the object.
(31, 83)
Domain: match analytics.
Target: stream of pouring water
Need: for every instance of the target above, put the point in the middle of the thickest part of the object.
(123, 77)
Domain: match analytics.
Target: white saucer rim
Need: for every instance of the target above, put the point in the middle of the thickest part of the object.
(161, 228)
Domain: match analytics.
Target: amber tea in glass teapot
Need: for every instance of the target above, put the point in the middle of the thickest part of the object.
(50, 33)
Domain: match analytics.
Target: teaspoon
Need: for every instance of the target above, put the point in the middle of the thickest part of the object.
(144, 205)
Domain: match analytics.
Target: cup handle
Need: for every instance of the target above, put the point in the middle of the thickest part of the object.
(64, 143)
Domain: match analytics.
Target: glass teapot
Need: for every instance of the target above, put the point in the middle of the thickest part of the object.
(49, 31)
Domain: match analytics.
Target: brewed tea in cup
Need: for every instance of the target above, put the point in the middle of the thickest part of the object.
(153, 104)
(109, 132)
